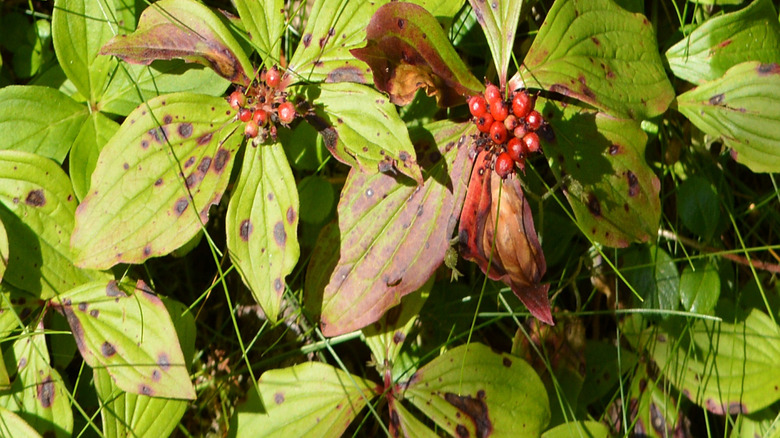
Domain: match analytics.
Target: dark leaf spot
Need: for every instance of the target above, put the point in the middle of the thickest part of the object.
(279, 234)
(46, 392)
(145, 390)
(181, 205)
(614, 149)
(306, 40)
(476, 408)
(346, 74)
(190, 161)
(185, 130)
(83, 306)
(767, 69)
(279, 398)
(633, 184)
(107, 350)
(278, 285)
(291, 215)
(204, 165)
(112, 290)
(245, 229)
(461, 431)
(398, 337)
(36, 198)
(593, 205)
(159, 134)
(716, 99)
(657, 419)
(125, 166)
(595, 41)
(507, 362)
(163, 361)
(270, 196)
(220, 160)
(144, 144)
(158, 182)
(167, 119)
(147, 250)
(205, 138)
(401, 23)
(94, 313)
(156, 374)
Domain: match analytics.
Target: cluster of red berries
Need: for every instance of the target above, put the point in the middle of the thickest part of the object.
(507, 127)
(263, 104)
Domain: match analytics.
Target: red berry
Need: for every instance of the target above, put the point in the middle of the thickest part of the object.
(498, 132)
(484, 123)
(504, 165)
(477, 106)
(286, 112)
(534, 120)
(516, 149)
(522, 104)
(244, 114)
(510, 122)
(492, 94)
(251, 129)
(520, 130)
(531, 141)
(499, 110)
(237, 99)
(260, 117)
(273, 77)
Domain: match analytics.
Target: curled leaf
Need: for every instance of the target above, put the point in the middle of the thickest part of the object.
(517, 257)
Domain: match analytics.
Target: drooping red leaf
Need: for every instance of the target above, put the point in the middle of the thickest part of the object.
(508, 249)
(408, 50)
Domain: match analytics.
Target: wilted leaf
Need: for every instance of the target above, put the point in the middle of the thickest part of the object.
(79, 28)
(726, 368)
(323, 54)
(407, 50)
(311, 399)
(498, 19)
(750, 34)
(509, 250)
(155, 180)
(184, 29)
(39, 120)
(126, 330)
(265, 22)
(600, 160)
(262, 225)
(393, 236)
(361, 128)
(94, 134)
(37, 212)
(14, 425)
(597, 52)
(472, 391)
(741, 108)
(700, 286)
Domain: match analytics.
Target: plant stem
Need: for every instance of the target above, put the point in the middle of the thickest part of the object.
(758, 264)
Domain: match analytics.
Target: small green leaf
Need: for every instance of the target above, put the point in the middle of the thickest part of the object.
(323, 54)
(726, 368)
(135, 84)
(40, 120)
(125, 414)
(653, 275)
(311, 399)
(407, 424)
(597, 52)
(498, 19)
(155, 180)
(589, 429)
(305, 149)
(14, 425)
(362, 128)
(740, 107)
(94, 134)
(698, 206)
(750, 34)
(79, 28)
(600, 161)
(393, 236)
(472, 391)
(407, 50)
(265, 22)
(126, 330)
(317, 199)
(700, 286)
(184, 29)
(262, 230)
(37, 212)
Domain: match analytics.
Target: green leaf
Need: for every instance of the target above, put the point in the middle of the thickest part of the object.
(38, 394)
(472, 391)
(135, 84)
(126, 330)
(740, 108)
(393, 236)
(125, 414)
(386, 336)
(605, 366)
(443, 10)
(317, 198)
(14, 425)
(79, 28)
(4, 252)
(600, 161)
(653, 275)
(750, 34)
(155, 180)
(39, 120)
(589, 429)
(265, 23)
(726, 368)
(597, 52)
(17, 307)
(94, 134)
(323, 54)
(758, 424)
(37, 212)
(700, 286)
(498, 19)
(262, 225)
(311, 399)
(305, 149)
(362, 128)
(184, 29)
(403, 423)
(698, 206)
(407, 50)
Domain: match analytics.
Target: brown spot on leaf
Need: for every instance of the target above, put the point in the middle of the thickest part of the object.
(278, 398)
(245, 230)
(46, 392)
(156, 375)
(35, 198)
(159, 134)
(633, 184)
(291, 215)
(278, 285)
(507, 362)
(83, 306)
(716, 99)
(595, 41)
(167, 119)
(398, 337)
(113, 290)
(401, 23)
(107, 349)
(205, 138)
(163, 361)
(125, 166)
(220, 160)
(185, 130)
(461, 431)
(145, 390)
(476, 408)
(181, 205)
(614, 149)
(768, 69)
(158, 182)
(279, 234)
(306, 40)
(144, 144)
(204, 165)
(190, 161)
(346, 74)
(94, 313)
(594, 206)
